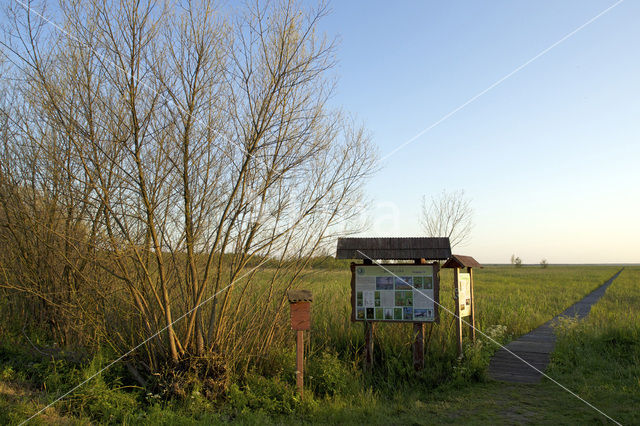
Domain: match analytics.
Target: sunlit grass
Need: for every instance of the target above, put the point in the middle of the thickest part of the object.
(519, 298)
(598, 357)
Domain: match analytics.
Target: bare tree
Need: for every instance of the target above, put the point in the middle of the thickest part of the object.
(180, 149)
(448, 215)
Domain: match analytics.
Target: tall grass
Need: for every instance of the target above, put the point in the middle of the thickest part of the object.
(599, 357)
(509, 302)
(518, 298)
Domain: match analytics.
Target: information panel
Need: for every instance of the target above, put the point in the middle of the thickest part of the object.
(395, 293)
(464, 294)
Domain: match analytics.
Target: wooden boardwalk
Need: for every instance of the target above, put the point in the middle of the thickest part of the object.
(536, 346)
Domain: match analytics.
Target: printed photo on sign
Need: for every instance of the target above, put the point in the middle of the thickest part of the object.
(377, 299)
(388, 313)
(369, 299)
(420, 314)
(384, 283)
(397, 313)
(404, 298)
(359, 299)
(428, 283)
(360, 313)
(379, 313)
(407, 313)
(370, 314)
(418, 282)
(403, 283)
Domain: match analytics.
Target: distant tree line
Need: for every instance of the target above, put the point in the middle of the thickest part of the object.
(517, 262)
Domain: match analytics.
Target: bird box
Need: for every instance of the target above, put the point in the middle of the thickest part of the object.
(300, 304)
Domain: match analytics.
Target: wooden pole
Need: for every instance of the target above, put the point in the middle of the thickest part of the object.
(418, 337)
(368, 345)
(436, 290)
(368, 336)
(458, 319)
(300, 362)
(418, 346)
(472, 319)
(353, 291)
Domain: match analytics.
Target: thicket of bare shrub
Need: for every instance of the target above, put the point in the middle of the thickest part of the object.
(152, 155)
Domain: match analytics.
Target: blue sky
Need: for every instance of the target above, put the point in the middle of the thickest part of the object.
(549, 157)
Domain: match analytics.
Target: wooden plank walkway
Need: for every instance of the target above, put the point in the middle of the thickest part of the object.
(536, 346)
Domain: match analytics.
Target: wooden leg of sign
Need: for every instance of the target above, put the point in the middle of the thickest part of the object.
(368, 345)
(459, 333)
(472, 318)
(300, 361)
(418, 336)
(418, 346)
(458, 319)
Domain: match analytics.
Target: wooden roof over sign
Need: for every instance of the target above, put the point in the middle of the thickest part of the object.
(394, 248)
(459, 261)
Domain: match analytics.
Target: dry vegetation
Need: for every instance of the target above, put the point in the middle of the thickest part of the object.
(152, 155)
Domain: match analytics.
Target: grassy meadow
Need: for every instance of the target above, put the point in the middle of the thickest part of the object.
(598, 358)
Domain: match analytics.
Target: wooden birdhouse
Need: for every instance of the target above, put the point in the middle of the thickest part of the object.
(300, 301)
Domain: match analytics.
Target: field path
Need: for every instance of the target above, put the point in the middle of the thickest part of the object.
(536, 346)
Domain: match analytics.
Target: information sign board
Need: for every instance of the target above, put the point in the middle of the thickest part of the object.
(395, 293)
(464, 294)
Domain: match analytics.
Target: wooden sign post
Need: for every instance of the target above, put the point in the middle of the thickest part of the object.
(459, 308)
(395, 292)
(472, 322)
(419, 327)
(463, 294)
(300, 304)
(418, 337)
(369, 326)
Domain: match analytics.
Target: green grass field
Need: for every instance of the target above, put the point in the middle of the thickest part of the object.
(598, 358)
